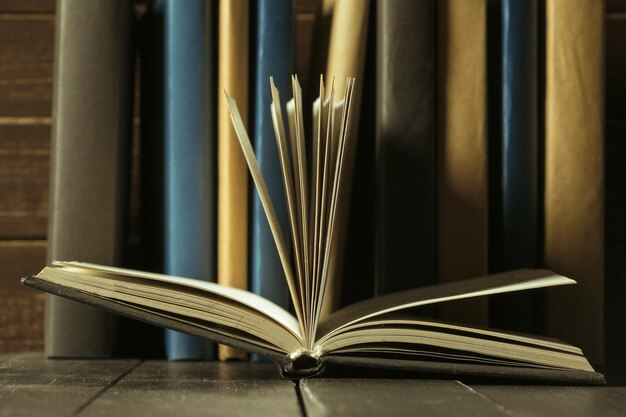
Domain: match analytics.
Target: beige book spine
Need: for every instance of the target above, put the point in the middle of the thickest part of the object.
(232, 190)
(462, 151)
(574, 171)
(346, 39)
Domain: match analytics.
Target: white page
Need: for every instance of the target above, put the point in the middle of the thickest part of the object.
(521, 279)
(246, 298)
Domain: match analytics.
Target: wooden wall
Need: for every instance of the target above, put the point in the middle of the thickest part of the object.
(26, 54)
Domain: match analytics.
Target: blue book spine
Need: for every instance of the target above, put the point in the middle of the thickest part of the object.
(519, 133)
(274, 57)
(189, 248)
(517, 228)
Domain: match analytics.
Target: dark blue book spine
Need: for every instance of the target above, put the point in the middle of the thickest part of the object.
(274, 24)
(188, 156)
(518, 229)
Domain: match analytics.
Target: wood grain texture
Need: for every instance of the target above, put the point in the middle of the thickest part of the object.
(555, 401)
(162, 388)
(392, 397)
(26, 55)
(21, 309)
(24, 171)
(31, 385)
(27, 6)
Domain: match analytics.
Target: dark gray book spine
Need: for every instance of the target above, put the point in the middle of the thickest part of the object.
(92, 111)
(405, 145)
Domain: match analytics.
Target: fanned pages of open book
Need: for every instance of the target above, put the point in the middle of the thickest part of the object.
(379, 332)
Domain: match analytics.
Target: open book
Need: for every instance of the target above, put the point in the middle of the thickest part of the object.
(372, 333)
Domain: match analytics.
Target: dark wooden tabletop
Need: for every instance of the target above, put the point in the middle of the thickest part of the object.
(33, 386)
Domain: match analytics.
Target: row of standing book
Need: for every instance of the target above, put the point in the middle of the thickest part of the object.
(479, 150)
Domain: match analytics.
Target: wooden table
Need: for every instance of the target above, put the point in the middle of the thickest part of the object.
(33, 386)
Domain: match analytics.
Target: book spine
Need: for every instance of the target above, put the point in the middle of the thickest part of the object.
(232, 185)
(574, 171)
(92, 109)
(515, 213)
(615, 178)
(273, 57)
(189, 157)
(462, 222)
(347, 41)
(405, 243)
(358, 274)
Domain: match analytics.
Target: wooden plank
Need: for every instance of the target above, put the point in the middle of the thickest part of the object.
(33, 386)
(392, 397)
(160, 388)
(615, 66)
(6, 356)
(27, 6)
(26, 56)
(24, 171)
(21, 309)
(556, 401)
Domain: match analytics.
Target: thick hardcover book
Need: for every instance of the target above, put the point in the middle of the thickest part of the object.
(405, 135)
(273, 57)
(232, 178)
(574, 169)
(462, 188)
(515, 227)
(344, 42)
(379, 332)
(189, 171)
(89, 167)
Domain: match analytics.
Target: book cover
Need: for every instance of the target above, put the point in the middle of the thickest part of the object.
(405, 145)
(514, 225)
(274, 55)
(574, 170)
(341, 43)
(462, 184)
(359, 260)
(92, 110)
(189, 156)
(232, 177)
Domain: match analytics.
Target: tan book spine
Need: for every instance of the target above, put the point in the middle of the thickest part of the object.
(232, 189)
(574, 171)
(462, 148)
(346, 39)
